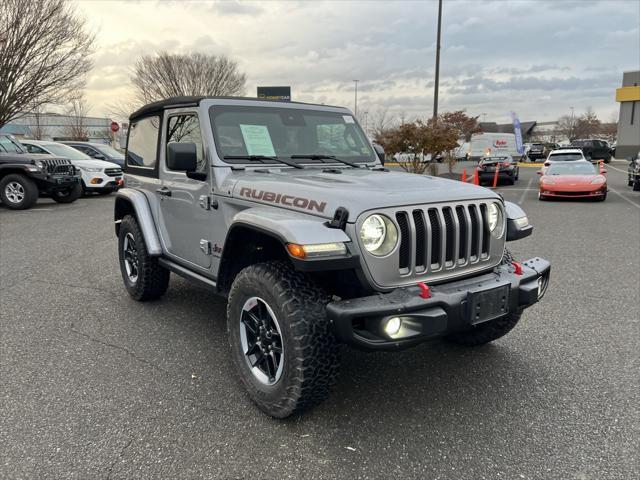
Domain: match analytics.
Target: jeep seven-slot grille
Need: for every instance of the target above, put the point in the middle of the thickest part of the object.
(446, 237)
(58, 166)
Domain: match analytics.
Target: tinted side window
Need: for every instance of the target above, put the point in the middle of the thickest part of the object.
(186, 129)
(588, 144)
(142, 149)
(33, 149)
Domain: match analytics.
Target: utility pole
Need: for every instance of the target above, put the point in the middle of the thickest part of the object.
(355, 108)
(435, 94)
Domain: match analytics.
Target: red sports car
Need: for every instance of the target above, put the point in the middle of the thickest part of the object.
(579, 179)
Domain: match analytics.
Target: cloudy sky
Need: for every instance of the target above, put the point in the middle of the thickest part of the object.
(538, 58)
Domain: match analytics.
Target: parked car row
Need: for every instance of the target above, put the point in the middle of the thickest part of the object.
(32, 168)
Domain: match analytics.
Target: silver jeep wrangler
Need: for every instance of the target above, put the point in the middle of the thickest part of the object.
(285, 209)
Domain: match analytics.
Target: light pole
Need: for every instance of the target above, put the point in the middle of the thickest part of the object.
(355, 107)
(571, 124)
(435, 93)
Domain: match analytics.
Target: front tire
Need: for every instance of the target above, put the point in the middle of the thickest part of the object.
(18, 192)
(144, 278)
(280, 339)
(67, 196)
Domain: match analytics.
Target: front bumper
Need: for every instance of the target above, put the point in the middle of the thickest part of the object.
(452, 307)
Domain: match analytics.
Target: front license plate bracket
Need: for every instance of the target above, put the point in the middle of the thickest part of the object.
(485, 305)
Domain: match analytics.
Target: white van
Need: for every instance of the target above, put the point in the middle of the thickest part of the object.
(493, 144)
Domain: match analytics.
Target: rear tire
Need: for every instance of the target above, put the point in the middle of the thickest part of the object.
(18, 192)
(144, 278)
(67, 196)
(300, 376)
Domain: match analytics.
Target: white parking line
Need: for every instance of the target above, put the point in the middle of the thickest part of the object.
(524, 193)
(624, 198)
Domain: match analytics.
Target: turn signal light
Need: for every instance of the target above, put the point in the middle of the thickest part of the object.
(296, 250)
(316, 250)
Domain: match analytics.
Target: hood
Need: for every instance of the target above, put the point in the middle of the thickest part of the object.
(21, 158)
(569, 179)
(321, 191)
(94, 164)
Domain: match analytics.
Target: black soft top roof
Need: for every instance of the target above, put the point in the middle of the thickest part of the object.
(156, 107)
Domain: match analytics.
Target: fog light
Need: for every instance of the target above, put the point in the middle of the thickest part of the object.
(392, 326)
(95, 181)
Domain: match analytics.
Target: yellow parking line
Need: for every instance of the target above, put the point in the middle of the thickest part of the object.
(530, 165)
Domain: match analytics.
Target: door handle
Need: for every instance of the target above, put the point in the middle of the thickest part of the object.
(164, 192)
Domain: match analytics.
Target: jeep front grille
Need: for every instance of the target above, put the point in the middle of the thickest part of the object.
(436, 242)
(58, 166)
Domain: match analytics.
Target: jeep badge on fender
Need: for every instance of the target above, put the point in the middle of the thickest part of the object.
(285, 210)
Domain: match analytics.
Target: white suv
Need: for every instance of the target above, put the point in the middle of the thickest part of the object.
(97, 175)
(564, 155)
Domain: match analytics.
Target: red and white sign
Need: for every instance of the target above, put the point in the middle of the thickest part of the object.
(115, 127)
(500, 143)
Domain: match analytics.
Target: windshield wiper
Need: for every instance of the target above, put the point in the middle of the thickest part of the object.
(329, 157)
(257, 158)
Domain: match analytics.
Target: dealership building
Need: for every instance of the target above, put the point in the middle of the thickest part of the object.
(629, 121)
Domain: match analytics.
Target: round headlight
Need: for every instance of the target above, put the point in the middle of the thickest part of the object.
(378, 235)
(495, 219)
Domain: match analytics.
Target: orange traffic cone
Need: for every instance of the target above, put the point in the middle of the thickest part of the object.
(476, 178)
(464, 176)
(495, 176)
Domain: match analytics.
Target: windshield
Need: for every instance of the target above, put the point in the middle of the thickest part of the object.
(10, 145)
(287, 133)
(564, 157)
(109, 151)
(495, 159)
(582, 168)
(66, 151)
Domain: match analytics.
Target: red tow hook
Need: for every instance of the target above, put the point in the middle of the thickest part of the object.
(425, 292)
(518, 268)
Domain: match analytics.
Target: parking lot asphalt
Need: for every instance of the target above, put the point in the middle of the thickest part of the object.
(96, 385)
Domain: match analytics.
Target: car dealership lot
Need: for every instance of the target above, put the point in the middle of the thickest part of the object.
(96, 385)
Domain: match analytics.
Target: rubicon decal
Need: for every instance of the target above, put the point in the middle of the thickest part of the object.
(282, 199)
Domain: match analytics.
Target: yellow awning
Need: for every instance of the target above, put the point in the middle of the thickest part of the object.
(628, 94)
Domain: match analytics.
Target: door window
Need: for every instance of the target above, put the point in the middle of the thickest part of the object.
(142, 148)
(186, 129)
(33, 148)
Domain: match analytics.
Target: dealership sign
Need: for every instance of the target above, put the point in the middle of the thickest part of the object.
(500, 143)
(275, 93)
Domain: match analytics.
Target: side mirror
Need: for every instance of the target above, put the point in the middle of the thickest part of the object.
(99, 156)
(182, 157)
(539, 172)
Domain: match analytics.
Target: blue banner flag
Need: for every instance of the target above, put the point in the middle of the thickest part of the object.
(518, 132)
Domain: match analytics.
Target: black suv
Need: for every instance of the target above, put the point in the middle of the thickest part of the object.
(594, 149)
(98, 151)
(23, 176)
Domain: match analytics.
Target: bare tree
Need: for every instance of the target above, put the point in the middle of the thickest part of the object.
(587, 125)
(44, 54)
(567, 126)
(39, 131)
(381, 121)
(77, 111)
(170, 75)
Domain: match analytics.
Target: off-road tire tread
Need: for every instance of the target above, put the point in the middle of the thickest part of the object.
(313, 352)
(30, 190)
(75, 194)
(491, 330)
(153, 279)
